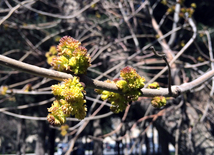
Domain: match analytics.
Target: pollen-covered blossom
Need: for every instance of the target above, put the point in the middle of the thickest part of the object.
(133, 79)
(67, 42)
(154, 85)
(118, 101)
(64, 129)
(51, 54)
(158, 101)
(130, 85)
(71, 56)
(3, 90)
(70, 101)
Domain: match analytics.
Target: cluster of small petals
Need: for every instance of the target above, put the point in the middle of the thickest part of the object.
(3, 90)
(131, 80)
(67, 42)
(51, 54)
(133, 95)
(128, 73)
(70, 101)
(67, 109)
(116, 108)
(106, 94)
(71, 56)
(127, 70)
(138, 83)
(56, 116)
(130, 85)
(57, 90)
(56, 120)
(80, 61)
(64, 129)
(123, 85)
(134, 80)
(118, 101)
(60, 63)
(69, 95)
(154, 85)
(80, 112)
(158, 101)
(55, 107)
(63, 132)
(80, 51)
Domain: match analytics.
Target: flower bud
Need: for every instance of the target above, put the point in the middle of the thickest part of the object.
(158, 101)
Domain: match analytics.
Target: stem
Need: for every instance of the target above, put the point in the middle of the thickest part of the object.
(169, 69)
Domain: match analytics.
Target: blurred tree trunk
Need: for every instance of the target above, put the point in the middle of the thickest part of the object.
(21, 135)
(40, 142)
(98, 145)
(118, 142)
(163, 141)
(51, 141)
(148, 148)
(153, 140)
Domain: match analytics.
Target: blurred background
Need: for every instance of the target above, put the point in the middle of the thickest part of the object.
(116, 33)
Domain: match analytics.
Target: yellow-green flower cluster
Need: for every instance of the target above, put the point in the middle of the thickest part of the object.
(51, 54)
(64, 129)
(71, 56)
(69, 101)
(130, 86)
(118, 101)
(158, 101)
(154, 85)
(131, 80)
(3, 90)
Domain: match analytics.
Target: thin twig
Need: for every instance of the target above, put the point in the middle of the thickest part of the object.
(194, 29)
(211, 58)
(14, 9)
(175, 22)
(62, 16)
(169, 69)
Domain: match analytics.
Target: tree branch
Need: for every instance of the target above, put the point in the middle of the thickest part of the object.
(90, 83)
